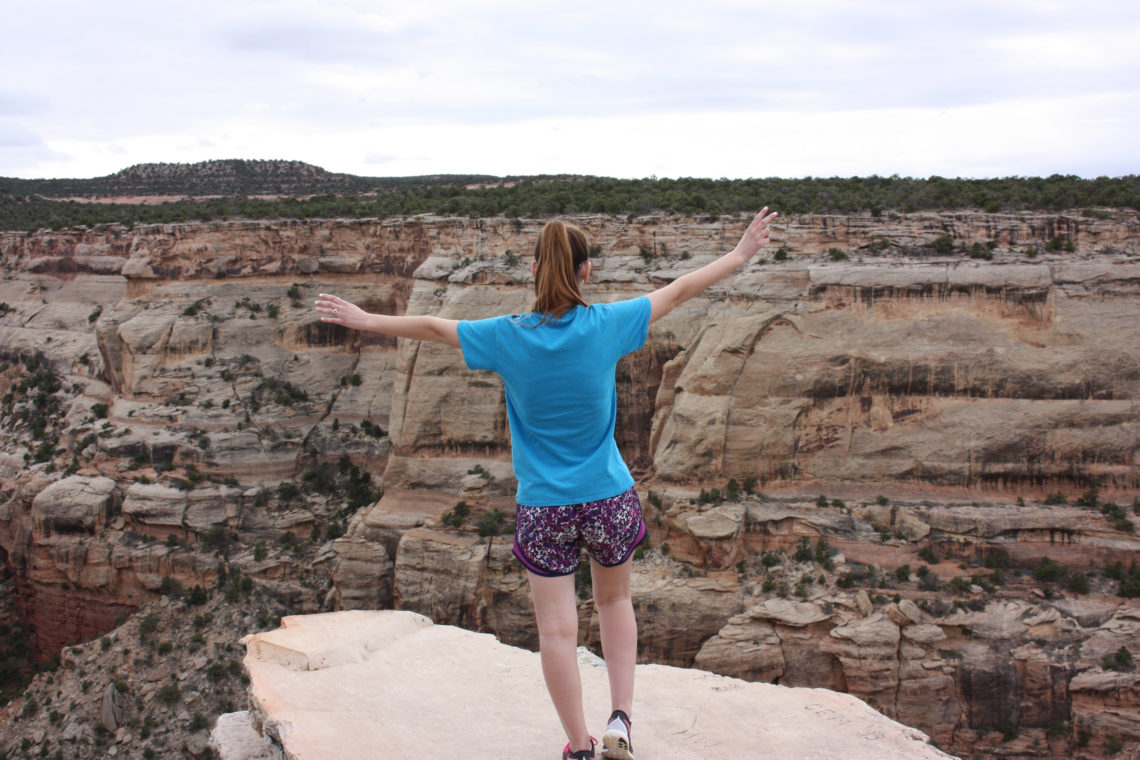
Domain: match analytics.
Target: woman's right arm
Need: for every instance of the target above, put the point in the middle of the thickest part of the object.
(340, 312)
(664, 300)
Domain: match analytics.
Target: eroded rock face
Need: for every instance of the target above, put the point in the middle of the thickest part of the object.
(894, 365)
(194, 378)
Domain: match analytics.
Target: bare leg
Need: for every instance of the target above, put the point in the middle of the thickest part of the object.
(556, 612)
(618, 628)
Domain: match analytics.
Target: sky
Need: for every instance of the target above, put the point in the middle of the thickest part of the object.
(707, 88)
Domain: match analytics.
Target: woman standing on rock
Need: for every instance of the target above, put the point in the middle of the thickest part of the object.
(558, 365)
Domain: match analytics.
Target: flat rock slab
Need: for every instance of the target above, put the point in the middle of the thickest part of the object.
(357, 685)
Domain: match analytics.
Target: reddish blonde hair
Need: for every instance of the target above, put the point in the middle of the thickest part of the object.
(560, 252)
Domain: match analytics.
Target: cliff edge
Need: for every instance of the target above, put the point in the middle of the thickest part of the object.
(359, 684)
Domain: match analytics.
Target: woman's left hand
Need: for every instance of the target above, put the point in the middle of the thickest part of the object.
(340, 312)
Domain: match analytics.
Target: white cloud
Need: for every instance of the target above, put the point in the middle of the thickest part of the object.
(623, 89)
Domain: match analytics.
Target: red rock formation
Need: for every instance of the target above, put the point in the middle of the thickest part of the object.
(186, 353)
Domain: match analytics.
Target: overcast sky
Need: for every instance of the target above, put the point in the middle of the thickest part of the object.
(704, 88)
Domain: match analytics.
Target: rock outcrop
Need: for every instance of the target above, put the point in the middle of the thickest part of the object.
(175, 416)
(383, 684)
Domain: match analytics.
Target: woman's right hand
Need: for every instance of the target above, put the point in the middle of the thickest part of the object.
(757, 234)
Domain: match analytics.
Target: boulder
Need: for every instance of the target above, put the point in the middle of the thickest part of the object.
(75, 504)
(114, 708)
(155, 504)
(234, 738)
(213, 507)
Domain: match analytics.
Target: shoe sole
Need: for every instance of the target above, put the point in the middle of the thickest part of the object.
(616, 747)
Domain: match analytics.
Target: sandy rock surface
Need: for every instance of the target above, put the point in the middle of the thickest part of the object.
(360, 685)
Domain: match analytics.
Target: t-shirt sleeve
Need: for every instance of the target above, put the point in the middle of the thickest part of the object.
(631, 323)
(479, 341)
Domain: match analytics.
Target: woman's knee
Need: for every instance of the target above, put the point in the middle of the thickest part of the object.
(557, 628)
(611, 585)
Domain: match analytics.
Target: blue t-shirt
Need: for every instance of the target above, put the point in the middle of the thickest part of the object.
(559, 378)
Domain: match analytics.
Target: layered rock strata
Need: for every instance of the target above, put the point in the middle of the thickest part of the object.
(196, 408)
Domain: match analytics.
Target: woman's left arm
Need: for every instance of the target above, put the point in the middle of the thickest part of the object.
(338, 311)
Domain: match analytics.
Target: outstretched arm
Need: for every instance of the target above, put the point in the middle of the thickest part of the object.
(665, 299)
(340, 312)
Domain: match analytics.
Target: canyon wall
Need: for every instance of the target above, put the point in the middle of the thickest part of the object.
(172, 403)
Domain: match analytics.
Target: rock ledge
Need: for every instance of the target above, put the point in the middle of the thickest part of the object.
(361, 684)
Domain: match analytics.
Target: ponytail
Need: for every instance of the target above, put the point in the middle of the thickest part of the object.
(560, 252)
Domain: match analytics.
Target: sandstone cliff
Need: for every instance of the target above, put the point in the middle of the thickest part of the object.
(175, 414)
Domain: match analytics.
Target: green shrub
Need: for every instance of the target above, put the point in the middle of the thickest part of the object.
(943, 244)
(196, 596)
(455, 517)
(148, 625)
(709, 497)
(169, 693)
(287, 492)
(1130, 584)
(1078, 583)
(491, 523)
(216, 671)
(823, 555)
(1120, 661)
(1117, 516)
(1048, 571)
(998, 559)
(803, 550)
(979, 251)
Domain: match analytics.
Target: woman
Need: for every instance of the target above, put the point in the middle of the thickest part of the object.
(558, 364)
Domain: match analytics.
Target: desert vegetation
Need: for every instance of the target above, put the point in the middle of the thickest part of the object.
(232, 190)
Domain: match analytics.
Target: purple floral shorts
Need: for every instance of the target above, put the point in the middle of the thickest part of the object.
(548, 539)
